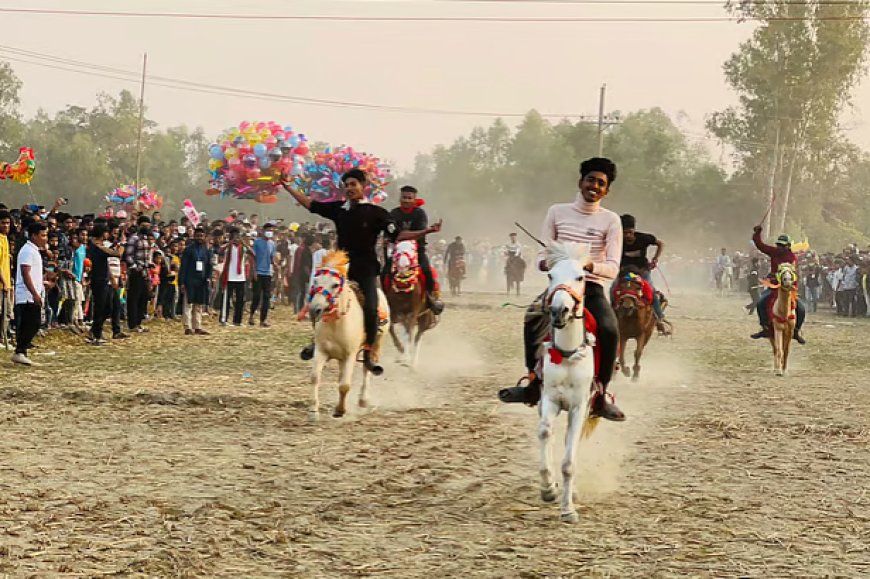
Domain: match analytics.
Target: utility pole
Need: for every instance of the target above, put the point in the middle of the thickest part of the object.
(601, 121)
(141, 119)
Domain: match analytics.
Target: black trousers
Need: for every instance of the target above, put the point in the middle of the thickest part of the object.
(137, 299)
(262, 292)
(536, 326)
(368, 284)
(115, 301)
(234, 294)
(101, 307)
(28, 318)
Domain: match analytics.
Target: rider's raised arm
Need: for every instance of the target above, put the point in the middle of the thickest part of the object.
(762, 247)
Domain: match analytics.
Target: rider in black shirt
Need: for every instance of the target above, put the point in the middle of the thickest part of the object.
(634, 253)
(410, 216)
(358, 224)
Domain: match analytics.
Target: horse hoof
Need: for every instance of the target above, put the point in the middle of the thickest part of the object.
(363, 403)
(548, 495)
(635, 378)
(626, 372)
(337, 413)
(313, 416)
(571, 517)
(779, 373)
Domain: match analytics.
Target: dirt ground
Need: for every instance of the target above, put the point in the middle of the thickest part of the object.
(193, 456)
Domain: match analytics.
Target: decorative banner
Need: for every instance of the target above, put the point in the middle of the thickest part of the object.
(139, 198)
(190, 212)
(248, 161)
(320, 178)
(21, 171)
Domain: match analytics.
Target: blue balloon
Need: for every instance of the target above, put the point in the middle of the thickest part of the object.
(265, 163)
(294, 141)
(216, 152)
(297, 170)
(260, 150)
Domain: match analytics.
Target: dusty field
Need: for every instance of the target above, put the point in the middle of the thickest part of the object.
(159, 457)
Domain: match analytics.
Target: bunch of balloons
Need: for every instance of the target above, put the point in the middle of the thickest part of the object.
(248, 161)
(21, 171)
(139, 198)
(320, 178)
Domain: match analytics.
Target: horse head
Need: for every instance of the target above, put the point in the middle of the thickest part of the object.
(786, 276)
(329, 283)
(565, 262)
(405, 266)
(629, 292)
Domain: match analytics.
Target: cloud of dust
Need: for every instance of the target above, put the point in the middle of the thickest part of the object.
(603, 461)
(445, 355)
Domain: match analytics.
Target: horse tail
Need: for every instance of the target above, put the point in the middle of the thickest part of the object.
(589, 426)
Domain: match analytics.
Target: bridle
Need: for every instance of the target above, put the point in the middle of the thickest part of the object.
(331, 297)
(557, 354)
(575, 296)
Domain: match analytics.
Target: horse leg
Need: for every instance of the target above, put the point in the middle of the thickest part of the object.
(549, 411)
(572, 436)
(777, 350)
(396, 342)
(418, 338)
(786, 347)
(316, 372)
(345, 376)
(623, 342)
(638, 352)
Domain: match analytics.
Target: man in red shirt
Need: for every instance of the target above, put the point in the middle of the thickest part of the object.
(779, 254)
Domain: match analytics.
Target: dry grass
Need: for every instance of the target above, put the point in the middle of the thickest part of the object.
(158, 457)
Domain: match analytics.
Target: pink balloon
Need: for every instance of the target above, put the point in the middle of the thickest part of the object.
(244, 125)
(232, 176)
(254, 173)
(234, 163)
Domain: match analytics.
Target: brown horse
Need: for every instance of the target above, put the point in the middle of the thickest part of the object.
(783, 315)
(455, 275)
(635, 317)
(409, 313)
(514, 271)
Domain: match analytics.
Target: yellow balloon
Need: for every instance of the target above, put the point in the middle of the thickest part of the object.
(231, 153)
(215, 164)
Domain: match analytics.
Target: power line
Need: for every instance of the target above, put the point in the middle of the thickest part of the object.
(500, 19)
(69, 65)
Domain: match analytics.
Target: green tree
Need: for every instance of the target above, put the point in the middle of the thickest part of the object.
(793, 77)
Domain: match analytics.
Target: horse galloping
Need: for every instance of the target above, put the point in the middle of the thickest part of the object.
(635, 317)
(514, 271)
(568, 368)
(406, 294)
(782, 307)
(335, 308)
(455, 275)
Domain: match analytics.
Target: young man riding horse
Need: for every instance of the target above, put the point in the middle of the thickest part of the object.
(359, 223)
(634, 254)
(583, 221)
(779, 254)
(410, 216)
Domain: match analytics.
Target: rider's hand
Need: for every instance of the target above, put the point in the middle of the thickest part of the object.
(653, 264)
(436, 228)
(588, 267)
(757, 229)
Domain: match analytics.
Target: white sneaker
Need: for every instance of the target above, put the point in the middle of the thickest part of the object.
(21, 359)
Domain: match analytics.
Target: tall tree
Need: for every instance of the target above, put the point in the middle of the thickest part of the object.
(793, 77)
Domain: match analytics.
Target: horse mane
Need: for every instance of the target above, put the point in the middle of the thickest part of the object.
(557, 251)
(338, 260)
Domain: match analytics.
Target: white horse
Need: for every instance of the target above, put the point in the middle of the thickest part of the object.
(339, 331)
(568, 368)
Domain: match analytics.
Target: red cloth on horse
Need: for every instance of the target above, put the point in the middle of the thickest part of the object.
(592, 328)
(388, 281)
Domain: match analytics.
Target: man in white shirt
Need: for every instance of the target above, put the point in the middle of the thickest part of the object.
(234, 276)
(29, 291)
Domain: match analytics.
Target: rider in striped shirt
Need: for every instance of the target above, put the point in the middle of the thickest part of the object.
(582, 221)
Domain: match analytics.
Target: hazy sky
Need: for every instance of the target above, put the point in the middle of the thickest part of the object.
(469, 66)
